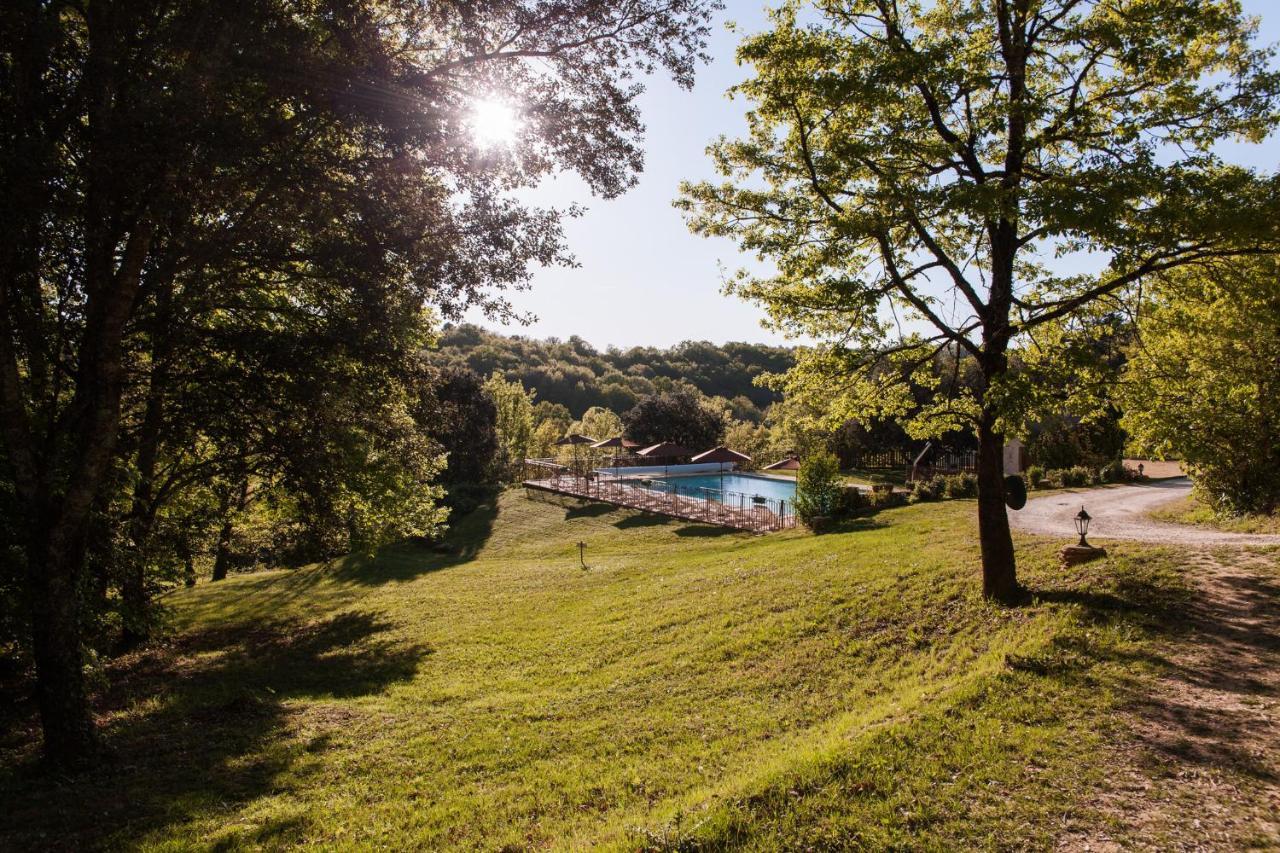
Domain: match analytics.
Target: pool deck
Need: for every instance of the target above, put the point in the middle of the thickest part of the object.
(630, 493)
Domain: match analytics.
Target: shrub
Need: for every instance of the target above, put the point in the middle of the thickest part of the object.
(887, 499)
(1114, 472)
(1070, 478)
(961, 486)
(852, 500)
(923, 490)
(1059, 478)
(1034, 476)
(818, 487)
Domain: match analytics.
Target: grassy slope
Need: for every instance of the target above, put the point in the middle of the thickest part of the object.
(1192, 511)
(690, 688)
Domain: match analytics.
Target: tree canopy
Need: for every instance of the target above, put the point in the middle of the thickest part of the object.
(254, 201)
(916, 172)
(678, 417)
(576, 375)
(1203, 380)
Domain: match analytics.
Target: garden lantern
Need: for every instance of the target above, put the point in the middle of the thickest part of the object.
(1082, 526)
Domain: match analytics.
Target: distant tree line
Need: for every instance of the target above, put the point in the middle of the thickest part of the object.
(681, 394)
(576, 375)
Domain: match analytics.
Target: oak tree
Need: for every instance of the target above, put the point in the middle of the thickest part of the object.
(917, 172)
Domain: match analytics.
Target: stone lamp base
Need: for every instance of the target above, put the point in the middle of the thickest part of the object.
(1073, 555)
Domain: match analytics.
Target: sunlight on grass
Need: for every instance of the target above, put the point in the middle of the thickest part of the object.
(1189, 510)
(692, 686)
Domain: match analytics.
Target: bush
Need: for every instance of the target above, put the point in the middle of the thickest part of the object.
(852, 500)
(1034, 476)
(819, 488)
(1071, 478)
(885, 500)
(923, 490)
(1114, 472)
(961, 486)
(938, 487)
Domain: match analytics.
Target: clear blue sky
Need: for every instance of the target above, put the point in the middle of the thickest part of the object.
(643, 278)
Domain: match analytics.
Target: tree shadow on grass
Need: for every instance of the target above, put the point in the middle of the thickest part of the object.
(204, 725)
(643, 519)
(702, 531)
(1216, 656)
(856, 524)
(588, 510)
(407, 560)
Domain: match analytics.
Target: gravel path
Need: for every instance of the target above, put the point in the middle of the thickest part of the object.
(1120, 512)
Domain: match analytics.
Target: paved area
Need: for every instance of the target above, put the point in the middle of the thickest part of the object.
(1120, 512)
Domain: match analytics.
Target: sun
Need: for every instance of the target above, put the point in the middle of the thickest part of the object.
(494, 123)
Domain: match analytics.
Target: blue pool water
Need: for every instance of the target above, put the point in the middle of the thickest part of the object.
(767, 487)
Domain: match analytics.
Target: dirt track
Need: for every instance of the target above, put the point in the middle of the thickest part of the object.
(1120, 512)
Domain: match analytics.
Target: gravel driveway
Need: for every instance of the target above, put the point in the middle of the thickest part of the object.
(1120, 512)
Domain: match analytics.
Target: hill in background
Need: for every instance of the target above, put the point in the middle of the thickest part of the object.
(576, 375)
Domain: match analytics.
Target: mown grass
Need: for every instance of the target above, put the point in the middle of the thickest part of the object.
(1190, 510)
(859, 476)
(691, 688)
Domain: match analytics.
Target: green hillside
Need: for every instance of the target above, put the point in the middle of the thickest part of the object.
(690, 688)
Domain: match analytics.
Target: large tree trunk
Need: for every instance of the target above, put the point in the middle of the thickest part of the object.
(228, 508)
(142, 513)
(999, 568)
(135, 603)
(59, 514)
(54, 570)
(222, 555)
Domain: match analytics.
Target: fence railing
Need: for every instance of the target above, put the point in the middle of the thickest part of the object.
(893, 458)
(944, 463)
(712, 506)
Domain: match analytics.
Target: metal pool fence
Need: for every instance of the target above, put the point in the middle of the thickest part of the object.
(727, 509)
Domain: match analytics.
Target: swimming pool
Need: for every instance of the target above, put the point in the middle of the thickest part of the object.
(708, 485)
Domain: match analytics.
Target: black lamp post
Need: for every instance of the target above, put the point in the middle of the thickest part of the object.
(1082, 526)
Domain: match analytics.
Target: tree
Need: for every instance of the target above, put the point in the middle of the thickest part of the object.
(123, 123)
(911, 169)
(752, 439)
(1203, 380)
(553, 423)
(463, 420)
(818, 487)
(599, 423)
(578, 377)
(678, 417)
(514, 408)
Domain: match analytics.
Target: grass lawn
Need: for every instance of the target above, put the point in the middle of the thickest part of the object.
(691, 688)
(859, 476)
(1189, 510)
(870, 476)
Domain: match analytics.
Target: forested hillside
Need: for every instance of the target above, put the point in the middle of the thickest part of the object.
(576, 375)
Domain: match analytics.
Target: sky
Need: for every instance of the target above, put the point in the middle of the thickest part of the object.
(642, 278)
